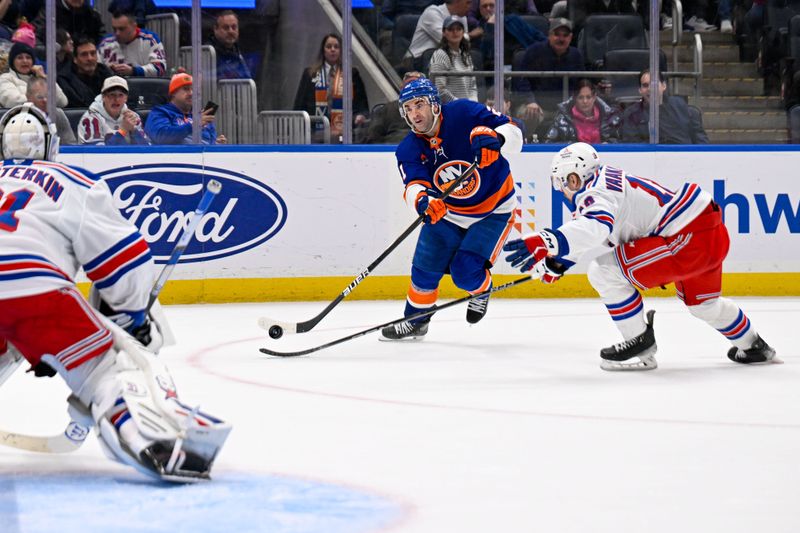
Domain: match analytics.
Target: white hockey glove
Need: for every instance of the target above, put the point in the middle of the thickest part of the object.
(548, 270)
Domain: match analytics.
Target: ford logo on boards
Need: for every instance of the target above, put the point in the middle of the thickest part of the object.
(159, 198)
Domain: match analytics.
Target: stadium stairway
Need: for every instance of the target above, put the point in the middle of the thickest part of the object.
(735, 108)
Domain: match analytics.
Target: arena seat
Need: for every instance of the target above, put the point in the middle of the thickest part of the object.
(238, 109)
(208, 64)
(284, 127)
(602, 33)
(146, 93)
(404, 26)
(168, 28)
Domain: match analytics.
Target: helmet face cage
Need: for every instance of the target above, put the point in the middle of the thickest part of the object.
(420, 88)
(26, 133)
(577, 158)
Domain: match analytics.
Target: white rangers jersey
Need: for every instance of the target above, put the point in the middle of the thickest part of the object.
(55, 219)
(615, 208)
(144, 53)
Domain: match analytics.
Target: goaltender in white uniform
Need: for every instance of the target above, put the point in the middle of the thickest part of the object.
(55, 219)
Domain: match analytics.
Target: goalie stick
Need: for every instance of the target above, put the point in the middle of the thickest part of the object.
(276, 329)
(421, 314)
(75, 434)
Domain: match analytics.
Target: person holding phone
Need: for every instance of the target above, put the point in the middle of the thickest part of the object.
(171, 123)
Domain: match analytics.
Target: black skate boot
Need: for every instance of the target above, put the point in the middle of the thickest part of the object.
(759, 352)
(405, 331)
(476, 309)
(637, 353)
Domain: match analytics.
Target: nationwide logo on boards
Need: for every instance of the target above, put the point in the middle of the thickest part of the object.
(160, 198)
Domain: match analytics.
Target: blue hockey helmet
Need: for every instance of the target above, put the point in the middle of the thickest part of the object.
(420, 88)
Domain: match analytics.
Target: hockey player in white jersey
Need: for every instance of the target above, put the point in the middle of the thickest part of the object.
(658, 236)
(55, 219)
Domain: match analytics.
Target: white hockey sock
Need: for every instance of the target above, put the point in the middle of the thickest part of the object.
(727, 318)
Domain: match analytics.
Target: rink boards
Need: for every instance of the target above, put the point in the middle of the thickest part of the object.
(300, 223)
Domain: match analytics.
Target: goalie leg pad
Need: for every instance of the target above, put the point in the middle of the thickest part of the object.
(10, 360)
(141, 421)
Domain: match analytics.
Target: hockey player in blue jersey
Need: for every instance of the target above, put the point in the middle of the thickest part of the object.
(464, 233)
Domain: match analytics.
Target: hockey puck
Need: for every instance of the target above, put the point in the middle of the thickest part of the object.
(276, 332)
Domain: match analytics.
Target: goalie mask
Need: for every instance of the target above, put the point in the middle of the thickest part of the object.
(420, 88)
(26, 133)
(577, 158)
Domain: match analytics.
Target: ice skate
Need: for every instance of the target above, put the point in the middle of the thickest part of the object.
(405, 331)
(759, 352)
(476, 309)
(637, 353)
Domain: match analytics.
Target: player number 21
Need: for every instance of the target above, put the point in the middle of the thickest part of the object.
(9, 205)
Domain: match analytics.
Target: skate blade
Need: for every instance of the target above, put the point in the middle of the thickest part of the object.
(638, 363)
(412, 338)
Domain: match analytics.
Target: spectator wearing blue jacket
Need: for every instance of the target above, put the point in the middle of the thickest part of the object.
(171, 123)
(230, 62)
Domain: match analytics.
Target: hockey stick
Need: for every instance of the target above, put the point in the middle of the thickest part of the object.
(421, 314)
(70, 440)
(276, 329)
(75, 434)
(210, 193)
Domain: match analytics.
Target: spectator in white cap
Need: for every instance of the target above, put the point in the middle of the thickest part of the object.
(108, 119)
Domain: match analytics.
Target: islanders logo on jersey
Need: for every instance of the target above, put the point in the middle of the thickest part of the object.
(159, 198)
(451, 171)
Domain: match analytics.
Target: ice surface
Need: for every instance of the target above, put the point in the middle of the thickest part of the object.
(506, 426)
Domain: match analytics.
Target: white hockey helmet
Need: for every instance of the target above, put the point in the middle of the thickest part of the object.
(26, 133)
(577, 158)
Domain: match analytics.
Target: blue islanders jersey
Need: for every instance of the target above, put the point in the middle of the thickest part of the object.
(433, 162)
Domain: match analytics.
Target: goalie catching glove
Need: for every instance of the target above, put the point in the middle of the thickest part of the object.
(485, 144)
(432, 208)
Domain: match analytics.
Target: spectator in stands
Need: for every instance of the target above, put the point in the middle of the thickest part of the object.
(535, 96)
(132, 51)
(25, 33)
(36, 93)
(585, 117)
(84, 78)
(322, 87)
(390, 9)
(505, 109)
(453, 56)
(428, 33)
(14, 83)
(230, 62)
(606, 7)
(75, 16)
(108, 120)
(386, 126)
(139, 8)
(698, 10)
(171, 123)
(519, 34)
(676, 124)
(9, 15)
(66, 48)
